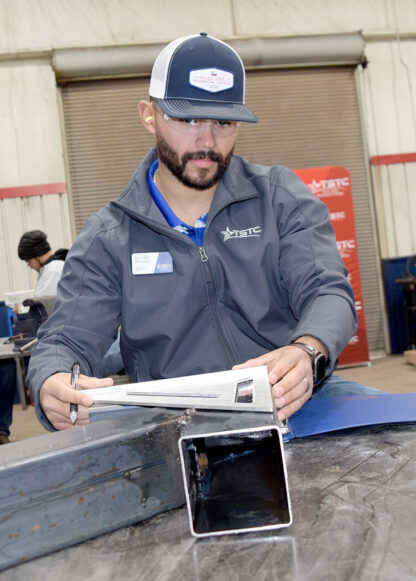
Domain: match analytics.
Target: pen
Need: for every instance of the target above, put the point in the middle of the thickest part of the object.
(73, 408)
(27, 346)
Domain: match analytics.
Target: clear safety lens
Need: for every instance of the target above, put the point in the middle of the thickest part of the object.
(220, 128)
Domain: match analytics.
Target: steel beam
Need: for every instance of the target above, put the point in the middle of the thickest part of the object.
(66, 487)
(63, 488)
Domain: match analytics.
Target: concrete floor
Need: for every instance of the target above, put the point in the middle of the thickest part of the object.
(391, 374)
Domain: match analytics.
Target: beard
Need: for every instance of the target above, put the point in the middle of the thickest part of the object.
(177, 165)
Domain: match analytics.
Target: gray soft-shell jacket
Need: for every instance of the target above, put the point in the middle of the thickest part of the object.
(269, 272)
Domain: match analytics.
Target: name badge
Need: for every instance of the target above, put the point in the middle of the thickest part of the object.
(151, 263)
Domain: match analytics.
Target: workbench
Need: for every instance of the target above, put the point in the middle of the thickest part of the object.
(7, 353)
(354, 512)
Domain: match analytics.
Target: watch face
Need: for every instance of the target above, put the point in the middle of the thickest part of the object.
(319, 367)
(318, 360)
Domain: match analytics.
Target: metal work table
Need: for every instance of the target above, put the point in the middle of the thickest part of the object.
(6, 352)
(354, 513)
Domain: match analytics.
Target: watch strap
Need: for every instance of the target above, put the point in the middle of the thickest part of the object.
(317, 359)
(309, 349)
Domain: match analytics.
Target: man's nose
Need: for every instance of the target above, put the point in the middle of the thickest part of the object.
(206, 136)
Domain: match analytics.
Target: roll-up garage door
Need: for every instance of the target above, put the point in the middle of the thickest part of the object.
(308, 117)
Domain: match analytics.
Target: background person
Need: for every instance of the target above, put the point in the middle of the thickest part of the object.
(206, 260)
(35, 250)
(7, 390)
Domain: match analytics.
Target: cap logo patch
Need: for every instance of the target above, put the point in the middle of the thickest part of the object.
(211, 80)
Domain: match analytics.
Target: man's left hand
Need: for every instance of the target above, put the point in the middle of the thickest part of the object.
(290, 376)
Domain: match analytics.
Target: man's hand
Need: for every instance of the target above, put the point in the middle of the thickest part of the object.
(56, 395)
(290, 375)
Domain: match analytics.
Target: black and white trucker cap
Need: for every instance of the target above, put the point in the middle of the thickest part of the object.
(200, 77)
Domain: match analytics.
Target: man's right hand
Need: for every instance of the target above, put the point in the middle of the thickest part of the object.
(56, 395)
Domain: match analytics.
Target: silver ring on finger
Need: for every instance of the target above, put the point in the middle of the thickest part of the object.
(307, 384)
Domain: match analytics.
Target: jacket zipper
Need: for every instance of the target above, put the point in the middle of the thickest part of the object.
(209, 281)
(204, 257)
(213, 304)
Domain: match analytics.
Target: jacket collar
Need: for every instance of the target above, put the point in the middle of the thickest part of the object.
(138, 203)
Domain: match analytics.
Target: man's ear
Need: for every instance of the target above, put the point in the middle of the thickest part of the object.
(147, 115)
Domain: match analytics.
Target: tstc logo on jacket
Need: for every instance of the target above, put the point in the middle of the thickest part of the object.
(246, 233)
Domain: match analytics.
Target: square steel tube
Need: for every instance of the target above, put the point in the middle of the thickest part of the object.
(235, 481)
(64, 488)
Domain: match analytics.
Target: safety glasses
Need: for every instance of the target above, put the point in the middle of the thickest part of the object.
(192, 127)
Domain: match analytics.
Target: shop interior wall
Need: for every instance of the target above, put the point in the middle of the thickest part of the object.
(388, 87)
(31, 154)
(31, 149)
(28, 25)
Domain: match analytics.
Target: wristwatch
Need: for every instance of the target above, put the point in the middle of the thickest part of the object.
(317, 359)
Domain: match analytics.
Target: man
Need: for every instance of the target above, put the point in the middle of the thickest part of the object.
(35, 250)
(206, 260)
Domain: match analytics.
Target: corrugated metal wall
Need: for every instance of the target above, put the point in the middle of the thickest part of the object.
(395, 195)
(17, 215)
(308, 117)
(311, 118)
(105, 140)
(389, 100)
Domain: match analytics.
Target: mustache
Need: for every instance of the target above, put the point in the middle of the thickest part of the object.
(211, 155)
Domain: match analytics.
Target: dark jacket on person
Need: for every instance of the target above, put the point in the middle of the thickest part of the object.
(269, 272)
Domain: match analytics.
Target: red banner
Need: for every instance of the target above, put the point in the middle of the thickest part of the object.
(332, 185)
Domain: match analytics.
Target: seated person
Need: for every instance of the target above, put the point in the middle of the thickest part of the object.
(35, 250)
